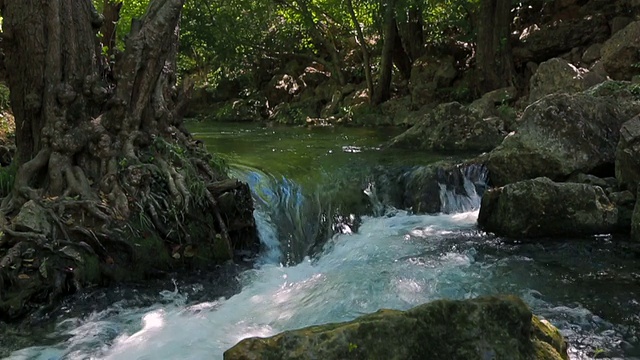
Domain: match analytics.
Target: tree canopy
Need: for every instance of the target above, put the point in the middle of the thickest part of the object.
(229, 38)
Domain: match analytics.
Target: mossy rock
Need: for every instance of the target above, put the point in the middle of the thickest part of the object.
(552, 209)
(497, 327)
(560, 135)
(549, 335)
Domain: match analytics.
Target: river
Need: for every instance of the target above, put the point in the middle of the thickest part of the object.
(587, 287)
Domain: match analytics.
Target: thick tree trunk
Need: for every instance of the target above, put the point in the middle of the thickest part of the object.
(104, 160)
(47, 63)
(363, 47)
(383, 92)
(494, 60)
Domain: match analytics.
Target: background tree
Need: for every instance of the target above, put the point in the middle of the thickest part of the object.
(494, 61)
(366, 60)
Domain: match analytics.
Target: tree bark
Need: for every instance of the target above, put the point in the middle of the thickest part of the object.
(414, 41)
(383, 92)
(106, 158)
(401, 58)
(111, 15)
(494, 61)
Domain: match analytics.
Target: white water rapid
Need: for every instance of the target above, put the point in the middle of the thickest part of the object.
(397, 261)
(382, 266)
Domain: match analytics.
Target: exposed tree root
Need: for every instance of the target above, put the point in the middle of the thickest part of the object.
(221, 223)
(113, 182)
(220, 187)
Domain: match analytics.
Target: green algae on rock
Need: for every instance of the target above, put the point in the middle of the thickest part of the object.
(552, 209)
(496, 327)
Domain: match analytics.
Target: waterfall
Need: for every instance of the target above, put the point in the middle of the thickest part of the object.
(461, 187)
(291, 221)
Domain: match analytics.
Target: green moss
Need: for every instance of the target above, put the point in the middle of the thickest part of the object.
(7, 177)
(221, 249)
(544, 351)
(91, 272)
(150, 252)
(616, 89)
(483, 328)
(4, 97)
(547, 333)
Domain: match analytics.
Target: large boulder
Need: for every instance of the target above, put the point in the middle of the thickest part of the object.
(540, 208)
(592, 53)
(282, 88)
(553, 76)
(484, 328)
(621, 53)
(428, 74)
(486, 105)
(628, 155)
(562, 134)
(559, 37)
(451, 127)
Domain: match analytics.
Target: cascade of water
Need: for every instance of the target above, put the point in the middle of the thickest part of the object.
(289, 221)
(395, 261)
(378, 206)
(461, 187)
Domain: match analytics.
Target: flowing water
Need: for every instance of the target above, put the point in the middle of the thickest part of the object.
(589, 288)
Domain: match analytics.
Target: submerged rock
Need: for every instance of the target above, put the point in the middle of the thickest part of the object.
(560, 135)
(541, 207)
(500, 327)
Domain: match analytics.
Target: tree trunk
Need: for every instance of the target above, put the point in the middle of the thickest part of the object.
(383, 92)
(322, 42)
(115, 177)
(111, 15)
(363, 47)
(494, 60)
(400, 57)
(411, 33)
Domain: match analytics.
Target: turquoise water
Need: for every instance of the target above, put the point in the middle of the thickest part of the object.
(589, 287)
(305, 154)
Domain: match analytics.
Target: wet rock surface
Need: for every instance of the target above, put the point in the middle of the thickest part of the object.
(490, 327)
(440, 187)
(202, 285)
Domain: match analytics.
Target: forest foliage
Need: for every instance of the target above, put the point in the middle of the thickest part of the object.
(229, 38)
